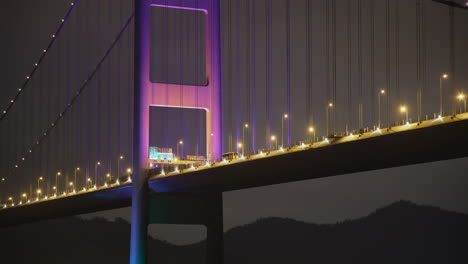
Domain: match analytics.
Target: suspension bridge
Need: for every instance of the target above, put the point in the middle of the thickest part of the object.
(165, 104)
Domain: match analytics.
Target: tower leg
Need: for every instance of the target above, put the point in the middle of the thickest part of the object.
(138, 236)
(139, 226)
(215, 233)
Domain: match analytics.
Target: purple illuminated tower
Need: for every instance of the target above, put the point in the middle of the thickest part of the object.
(148, 94)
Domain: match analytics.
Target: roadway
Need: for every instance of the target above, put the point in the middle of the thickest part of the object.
(429, 141)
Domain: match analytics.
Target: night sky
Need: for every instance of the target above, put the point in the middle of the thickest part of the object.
(26, 28)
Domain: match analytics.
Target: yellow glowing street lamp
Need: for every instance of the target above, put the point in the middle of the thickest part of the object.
(180, 145)
(329, 107)
(39, 192)
(442, 77)
(404, 110)
(77, 169)
(118, 167)
(274, 139)
(129, 173)
(38, 181)
(462, 98)
(96, 172)
(58, 174)
(109, 176)
(382, 93)
(312, 132)
(285, 117)
(246, 126)
(240, 147)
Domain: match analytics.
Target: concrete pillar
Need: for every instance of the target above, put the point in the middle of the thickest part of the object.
(215, 232)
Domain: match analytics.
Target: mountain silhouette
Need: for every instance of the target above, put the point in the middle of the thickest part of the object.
(402, 232)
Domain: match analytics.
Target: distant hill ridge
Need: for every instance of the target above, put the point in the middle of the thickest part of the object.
(402, 232)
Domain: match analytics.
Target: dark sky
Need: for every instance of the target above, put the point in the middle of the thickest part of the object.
(26, 28)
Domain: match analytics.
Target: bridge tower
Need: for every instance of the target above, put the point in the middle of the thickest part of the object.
(148, 93)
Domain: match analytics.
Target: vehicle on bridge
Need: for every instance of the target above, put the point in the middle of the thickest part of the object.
(228, 156)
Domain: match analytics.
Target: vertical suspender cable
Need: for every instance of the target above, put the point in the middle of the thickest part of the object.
(387, 60)
(327, 47)
(253, 115)
(327, 52)
(98, 102)
(248, 55)
(108, 92)
(59, 136)
(238, 73)
(423, 51)
(119, 87)
(310, 117)
(166, 53)
(200, 120)
(288, 68)
(453, 80)
(334, 63)
(229, 75)
(361, 123)
(418, 57)
(269, 71)
(80, 107)
(397, 49)
(181, 77)
(350, 94)
(372, 62)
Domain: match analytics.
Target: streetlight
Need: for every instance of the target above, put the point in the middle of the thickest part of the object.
(39, 192)
(129, 172)
(56, 178)
(118, 167)
(109, 176)
(273, 139)
(246, 126)
(24, 195)
(239, 147)
(181, 143)
(38, 181)
(76, 170)
(89, 182)
(462, 97)
(95, 171)
(55, 190)
(382, 93)
(11, 200)
(71, 186)
(285, 117)
(442, 77)
(329, 106)
(312, 131)
(404, 109)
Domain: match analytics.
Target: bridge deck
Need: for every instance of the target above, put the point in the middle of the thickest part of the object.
(432, 140)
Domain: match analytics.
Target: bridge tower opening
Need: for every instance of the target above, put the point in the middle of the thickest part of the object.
(190, 80)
